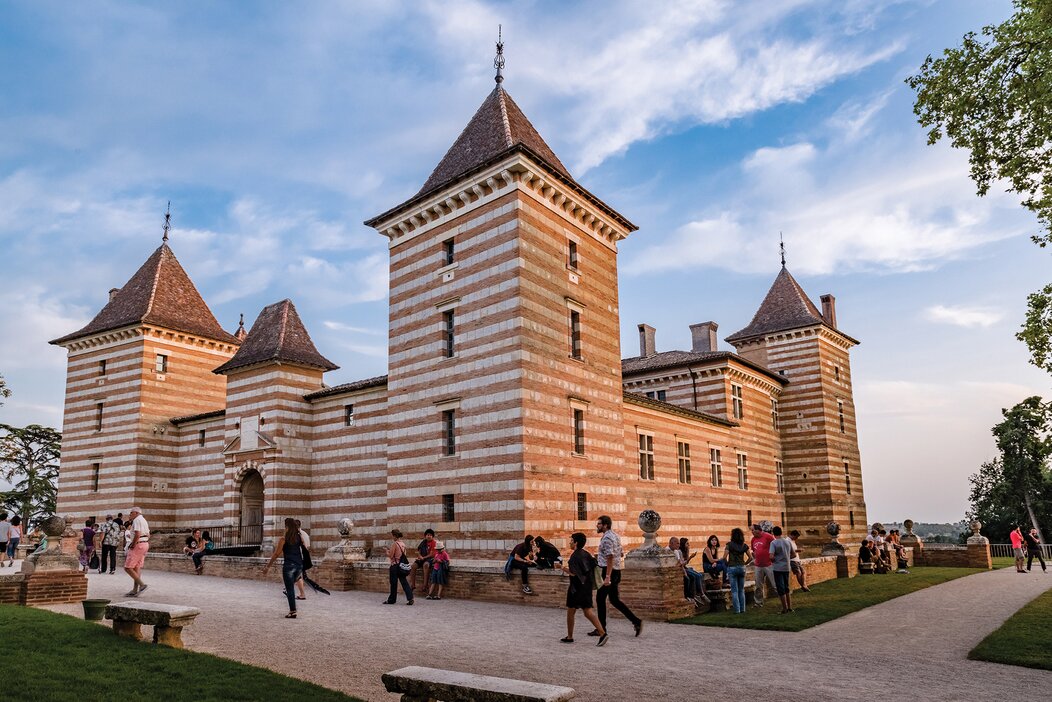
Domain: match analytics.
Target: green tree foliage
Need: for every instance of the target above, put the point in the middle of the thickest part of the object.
(993, 502)
(29, 459)
(4, 390)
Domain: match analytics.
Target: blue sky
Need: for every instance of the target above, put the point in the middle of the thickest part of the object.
(276, 128)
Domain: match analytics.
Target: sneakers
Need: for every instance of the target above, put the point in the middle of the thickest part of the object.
(133, 593)
(526, 590)
(603, 639)
(410, 602)
(639, 627)
(142, 588)
(593, 632)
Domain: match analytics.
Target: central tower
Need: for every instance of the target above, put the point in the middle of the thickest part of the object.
(504, 368)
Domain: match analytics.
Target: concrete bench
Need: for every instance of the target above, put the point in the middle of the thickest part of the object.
(720, 597)
(419, 684)
(167, 620)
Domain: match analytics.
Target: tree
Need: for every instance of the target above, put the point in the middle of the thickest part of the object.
(29, 459)
(992, 502)
(1025, 444)
(4, 390)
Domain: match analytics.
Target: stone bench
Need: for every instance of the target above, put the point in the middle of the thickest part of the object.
(167, 620)
(419, 684)
(720, 597)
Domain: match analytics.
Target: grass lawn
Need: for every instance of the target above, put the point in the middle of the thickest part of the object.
(1003, 562)
(831, 600)
(1023, 639)
(52, 657)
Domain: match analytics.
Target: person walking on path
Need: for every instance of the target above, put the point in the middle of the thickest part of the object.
(439, 572)
(1033, 549)
(111, 538)
(580, 568)
(781, 556)
(138, 547)
(301, 589)
(796, 564)
(14, 535)
(610, 560)
(290, 548)
(737, 557)
(5, 533)
(398, 568)
(1016, 535)
(87, 547)
(760, 545)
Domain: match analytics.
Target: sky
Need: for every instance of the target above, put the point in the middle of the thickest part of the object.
(276, 128)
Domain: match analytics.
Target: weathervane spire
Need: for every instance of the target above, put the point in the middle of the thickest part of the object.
(781, 247)
(167, 222)
(498, 61)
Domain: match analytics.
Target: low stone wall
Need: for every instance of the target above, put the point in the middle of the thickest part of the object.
(970, 556)
(816, 570)
(46, 587)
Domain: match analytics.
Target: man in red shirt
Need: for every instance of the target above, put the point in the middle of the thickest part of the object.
(761, 553)
(1016, 536)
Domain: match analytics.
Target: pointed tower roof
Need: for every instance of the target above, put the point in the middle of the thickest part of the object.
(160, 293)
(786, 306)
(277, 336)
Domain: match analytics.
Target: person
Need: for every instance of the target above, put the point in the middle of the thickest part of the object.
(761, 545)
(290, 548)
(737, 556)
(610, 561)
(396, 571)
(111, 538)
(1016, 536)
(690, 587)
(120, 519)
(579, 593)
(781, 555)
(693, 581)
(895, 541)
(138, 547)
(797, 563)
(14, 536)
(301, 589)
(522, 558)
(5, 531)
(711, 563)
(87, 547)
(548, 555)
(1033, 549)
(192, 543)
(866, 553)
(426, 551)
(204, 545)
(439, 572)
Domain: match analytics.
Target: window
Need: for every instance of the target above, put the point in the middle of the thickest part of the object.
(774, 414)
(738, 405)
(683, 451)
(779, 476)
(348, 415)
(448, 252)
(449, 428)
(748, 517)
(578, 431)
(575, 334)
(656, 395)
(201, 437)
(95, 467)
(783, 521)
(582, 507)
(840, 414)
(646, 456)
(847, 476)
(716, 466)
(743, 472)
(851, 519)
(448, 509)
(161, 363)
(102, 367)
(836, 373)
(447, 325)
(98, 416)
(572, 259)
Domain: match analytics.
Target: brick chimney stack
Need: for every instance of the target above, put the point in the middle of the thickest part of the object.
(829, 309)
(703, 337)
(647, 346)
(113, 292)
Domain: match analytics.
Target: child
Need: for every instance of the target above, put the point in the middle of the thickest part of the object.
(439, 572)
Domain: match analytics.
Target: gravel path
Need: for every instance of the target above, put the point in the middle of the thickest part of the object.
(347, 640)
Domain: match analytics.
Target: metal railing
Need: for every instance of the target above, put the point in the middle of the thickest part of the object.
(236, 536)
(1005, 550)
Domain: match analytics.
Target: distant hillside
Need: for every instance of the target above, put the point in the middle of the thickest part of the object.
(933, 532)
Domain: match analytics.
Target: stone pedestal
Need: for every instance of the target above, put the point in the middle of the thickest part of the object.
(168, 636)
(133, 630)
(652, 585)
(979, 552)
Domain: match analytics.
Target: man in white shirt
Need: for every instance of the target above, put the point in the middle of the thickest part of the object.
(5, 532)
(609, 559)
(135, 556)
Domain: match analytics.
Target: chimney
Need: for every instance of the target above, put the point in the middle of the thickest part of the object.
(829, 309)
(113, 292)
(703, 337)
(646, 340)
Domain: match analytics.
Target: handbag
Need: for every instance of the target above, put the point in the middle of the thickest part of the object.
(94, 562)
(403, 563)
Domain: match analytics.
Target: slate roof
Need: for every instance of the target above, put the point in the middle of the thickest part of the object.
(277, 336)
(197, 417)
(162, 294)
(672, 359)
(786, 307)
(376, 382)
(638, 399)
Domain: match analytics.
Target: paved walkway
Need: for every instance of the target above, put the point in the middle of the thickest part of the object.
(347, 640)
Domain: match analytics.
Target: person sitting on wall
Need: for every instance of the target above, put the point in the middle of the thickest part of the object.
(797, 563)
(193, 543)
(548, 555)
(866, 556)
(204, 545)
(426, 549)
(522, 558)
(714, 566)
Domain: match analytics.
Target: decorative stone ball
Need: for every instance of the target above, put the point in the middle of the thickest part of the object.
(54, 526)
(649, 521)
(766, 526)
(908, 525)
(833, 529)
(344, 527)
(878, 526)
(976, 525)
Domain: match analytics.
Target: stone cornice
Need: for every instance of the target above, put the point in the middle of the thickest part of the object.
(114, 337)
(683, 372)
(833, 336)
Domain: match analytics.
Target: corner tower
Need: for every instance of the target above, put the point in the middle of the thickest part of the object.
(816, 413)
(504, 370)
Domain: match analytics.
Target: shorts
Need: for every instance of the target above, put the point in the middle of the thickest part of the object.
(796, 566)
(781, 581)
(136, 556)
(1018, 552)
(12, 548)
(3, 547)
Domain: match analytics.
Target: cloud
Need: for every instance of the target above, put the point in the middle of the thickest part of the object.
(340, 326)
(964, 316)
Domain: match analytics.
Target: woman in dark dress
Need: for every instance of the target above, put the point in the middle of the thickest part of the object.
(579, 594)
(290, 548)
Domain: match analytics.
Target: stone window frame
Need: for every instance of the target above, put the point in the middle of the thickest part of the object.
(779, 476)
(716, 466)
(742, 459)
(737, 401)
(683, 460)
(160, 364)
(646, 454)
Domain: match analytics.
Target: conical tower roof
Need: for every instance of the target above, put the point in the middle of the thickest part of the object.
(277, 336)
(786, 306)
(160, 293)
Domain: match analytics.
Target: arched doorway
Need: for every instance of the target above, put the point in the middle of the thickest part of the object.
(252, 508)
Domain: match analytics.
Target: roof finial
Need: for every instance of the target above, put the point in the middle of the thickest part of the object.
(498, 61)
(781, 246)
(241, 333)
(167, 222)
